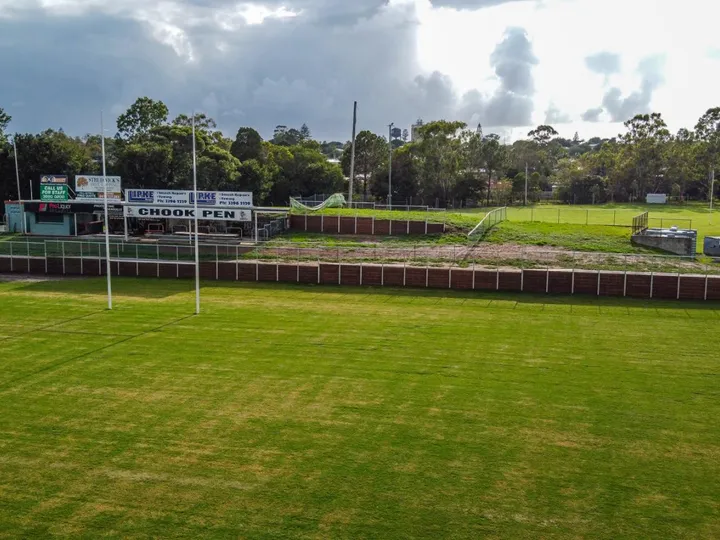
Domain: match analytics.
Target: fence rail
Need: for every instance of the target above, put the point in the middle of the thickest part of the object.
(418, 255)
(640, 223)
(301, 266)
(488, 222)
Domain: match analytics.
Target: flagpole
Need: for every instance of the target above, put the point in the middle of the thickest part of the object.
(17, 177)
(108, 270)
(195, 203)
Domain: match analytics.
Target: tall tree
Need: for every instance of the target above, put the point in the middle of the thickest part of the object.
(494, 155)
(645, 142)
(543, 134)
(202, 121)
(141, 117)
(440, 153)
(371, 152)
(248, 144)
(4, 122)
(708, 132)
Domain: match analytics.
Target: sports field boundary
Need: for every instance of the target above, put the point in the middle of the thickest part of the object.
(646, 285)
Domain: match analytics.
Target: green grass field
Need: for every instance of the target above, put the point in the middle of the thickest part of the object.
(598, 238)
(685, 216)
(318, 412)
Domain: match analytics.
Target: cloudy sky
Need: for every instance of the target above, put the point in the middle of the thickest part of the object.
(581, 65)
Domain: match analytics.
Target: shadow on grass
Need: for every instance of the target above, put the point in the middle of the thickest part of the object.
(149, 288)
(153, 288)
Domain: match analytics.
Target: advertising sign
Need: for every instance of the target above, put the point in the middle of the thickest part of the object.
(92, 187)
(53, 192)
(72, 208)
(209, 214)
(53, 179)
(205, 198)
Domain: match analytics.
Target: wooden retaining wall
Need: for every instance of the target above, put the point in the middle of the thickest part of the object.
(368, 226)
(585, 282)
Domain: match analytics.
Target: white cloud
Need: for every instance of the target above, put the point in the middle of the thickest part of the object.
(290, 61)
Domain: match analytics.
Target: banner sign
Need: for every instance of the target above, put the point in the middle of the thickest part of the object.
(72, 208)
(53, 192)
(93, 187)
(208, 214)
(205, 198)
(46, 179)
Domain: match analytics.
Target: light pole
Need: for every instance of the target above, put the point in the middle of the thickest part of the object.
(195, 212)
(352, 156)
(17, 178)
(107, 221)
(390, 128)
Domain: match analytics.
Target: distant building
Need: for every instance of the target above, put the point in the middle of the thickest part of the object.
(414, 130)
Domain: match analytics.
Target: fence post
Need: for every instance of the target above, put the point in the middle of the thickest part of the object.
(356, 223)
(361, 272)
(382, 275)
(587, 217)
(547, 280)
(427, 277)
(62, 244)
(707, 277)
(11, 255)
(497, 277)
(339, 219)
(81, 261)
(625, 281)
(305, 224)
(322, 223)
(45, 254)
(652, 282)
(678, 288)
(598, 283)
(473, 271)
(572, 283)
(450, 278)
(614, 217)
(318, 268)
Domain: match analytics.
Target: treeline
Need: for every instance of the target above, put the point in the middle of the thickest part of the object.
(450, 163)
(151, 151)
(446, 162)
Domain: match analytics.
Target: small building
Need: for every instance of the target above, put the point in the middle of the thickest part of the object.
(68, 218)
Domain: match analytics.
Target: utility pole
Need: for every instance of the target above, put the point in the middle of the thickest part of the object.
(526, 182)
(390, 127)
(712, 191)
(352, 155)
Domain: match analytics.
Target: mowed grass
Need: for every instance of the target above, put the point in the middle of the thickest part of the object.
(598, 238)
(318, 412)
(694, 215)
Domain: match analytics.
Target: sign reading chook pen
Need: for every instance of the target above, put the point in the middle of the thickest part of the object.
(209, 214)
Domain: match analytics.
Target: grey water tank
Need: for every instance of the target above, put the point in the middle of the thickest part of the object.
(712, 246)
